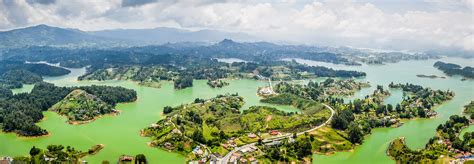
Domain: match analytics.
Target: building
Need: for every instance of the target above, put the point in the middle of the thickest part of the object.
(251, 135)
(125, 159)
(274, 132)
(6, 160)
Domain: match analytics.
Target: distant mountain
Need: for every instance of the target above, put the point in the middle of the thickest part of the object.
(164, 35)
(43, 35)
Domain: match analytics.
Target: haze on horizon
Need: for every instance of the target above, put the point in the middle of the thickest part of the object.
(416, 25)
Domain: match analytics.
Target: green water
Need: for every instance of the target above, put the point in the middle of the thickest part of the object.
(120, 134)
(25, 89)
(417, 132)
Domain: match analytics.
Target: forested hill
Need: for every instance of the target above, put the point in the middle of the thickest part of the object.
(454, 69)
(37, 68)
(172, 53)
(20, 112)
(13, 74)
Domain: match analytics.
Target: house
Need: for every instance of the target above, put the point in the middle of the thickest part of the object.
(6, 160)
(251, 135)
(274, 132)
(233, 159)
(125, 159)
(252, 160)
(198, 151)
(273, 143)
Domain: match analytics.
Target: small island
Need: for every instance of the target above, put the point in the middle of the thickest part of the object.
(82, 107)
(57, 154)
(327, 88)
(430, 76)
(217, 83)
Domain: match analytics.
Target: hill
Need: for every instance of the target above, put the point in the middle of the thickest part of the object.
(44, 35)
(80, 106)
(162, 35)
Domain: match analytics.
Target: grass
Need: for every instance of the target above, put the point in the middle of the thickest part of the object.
(330, 140)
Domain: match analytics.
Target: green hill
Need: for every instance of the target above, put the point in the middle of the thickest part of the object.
(80, 106)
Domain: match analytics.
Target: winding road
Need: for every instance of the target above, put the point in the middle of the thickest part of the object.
(225, 159)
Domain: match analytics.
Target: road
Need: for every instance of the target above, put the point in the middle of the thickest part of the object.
(226, 158)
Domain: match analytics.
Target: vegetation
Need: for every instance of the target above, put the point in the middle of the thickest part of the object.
(446, 142)
(5, 93)
(186, 67)
(36, 68)
(320, 91)
(21, 76)
(57, 154)
(20, 112)
(454, 69)
(183, 82)
(213, 123)
(468, 109)
(14, 74)
(140, 159)
(301, 148)
(80, 106)
(217, 83)
(16, 78)
(420, 101)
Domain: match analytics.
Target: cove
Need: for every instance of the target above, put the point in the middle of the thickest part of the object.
(120, 134)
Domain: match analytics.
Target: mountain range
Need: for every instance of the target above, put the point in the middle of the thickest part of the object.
(44, 35)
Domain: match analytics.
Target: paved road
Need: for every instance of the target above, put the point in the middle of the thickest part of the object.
(226, 158)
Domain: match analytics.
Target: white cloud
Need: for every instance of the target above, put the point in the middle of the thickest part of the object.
(342, 22)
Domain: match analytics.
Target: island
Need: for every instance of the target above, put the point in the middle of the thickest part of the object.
(454, 69)
(81, 107)
(443, 147)
(430, 76)
(57, 154)
(326, 88)
(219, 83)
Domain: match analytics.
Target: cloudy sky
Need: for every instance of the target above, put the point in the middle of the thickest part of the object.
(382, 24)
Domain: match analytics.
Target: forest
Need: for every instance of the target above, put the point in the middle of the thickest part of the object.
(56, 154)
(13, 74)
(20, 112)
(454, 69)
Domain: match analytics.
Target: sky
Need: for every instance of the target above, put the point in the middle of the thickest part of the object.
(379, 24)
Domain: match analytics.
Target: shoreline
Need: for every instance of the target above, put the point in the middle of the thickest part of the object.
(115, 113)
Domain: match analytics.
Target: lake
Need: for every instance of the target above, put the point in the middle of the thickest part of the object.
(120, 134)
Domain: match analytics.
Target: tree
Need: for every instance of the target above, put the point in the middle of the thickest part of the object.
(304, 148)
(140, 158)
(167, 109)
(105, 162)
(34, 151)
(355, 133)
(421, 112)
(198, 137)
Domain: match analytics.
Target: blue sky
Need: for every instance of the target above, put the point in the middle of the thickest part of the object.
(382, 24)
